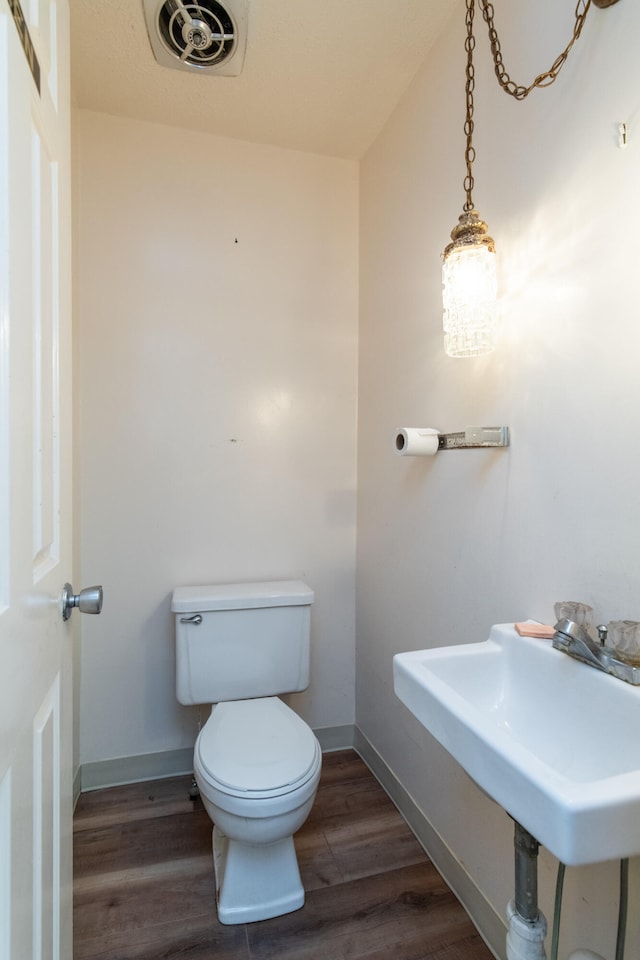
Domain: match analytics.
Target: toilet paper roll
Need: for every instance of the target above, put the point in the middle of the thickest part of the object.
(416, 441)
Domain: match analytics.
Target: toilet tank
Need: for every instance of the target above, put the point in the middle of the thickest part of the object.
(241, 640)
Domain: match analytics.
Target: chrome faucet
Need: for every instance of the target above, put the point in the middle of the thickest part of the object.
(573, 639)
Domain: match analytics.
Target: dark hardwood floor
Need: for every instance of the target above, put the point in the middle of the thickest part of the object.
(144, 890)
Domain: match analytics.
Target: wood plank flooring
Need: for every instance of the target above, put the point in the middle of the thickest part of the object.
(144, 889)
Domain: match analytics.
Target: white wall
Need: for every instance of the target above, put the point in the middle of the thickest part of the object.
(216, 338)
(448, 546)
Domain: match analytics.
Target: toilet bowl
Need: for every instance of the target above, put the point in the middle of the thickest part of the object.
(257, 766)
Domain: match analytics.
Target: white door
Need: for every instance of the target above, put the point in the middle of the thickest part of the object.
(35, 482)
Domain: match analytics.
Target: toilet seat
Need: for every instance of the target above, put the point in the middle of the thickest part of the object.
(256, 750)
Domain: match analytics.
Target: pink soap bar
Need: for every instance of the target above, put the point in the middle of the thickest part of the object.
(541, 631)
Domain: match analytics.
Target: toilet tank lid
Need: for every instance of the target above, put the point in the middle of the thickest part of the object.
(241, 596)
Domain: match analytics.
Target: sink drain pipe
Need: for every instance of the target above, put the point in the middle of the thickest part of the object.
(527, 925)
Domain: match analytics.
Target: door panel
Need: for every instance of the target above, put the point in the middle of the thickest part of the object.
(35, 482)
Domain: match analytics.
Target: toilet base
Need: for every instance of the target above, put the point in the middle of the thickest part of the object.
(255, 882)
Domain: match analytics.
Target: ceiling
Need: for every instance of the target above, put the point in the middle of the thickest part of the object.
(320, 76)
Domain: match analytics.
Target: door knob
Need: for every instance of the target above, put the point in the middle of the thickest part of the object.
(88, 600)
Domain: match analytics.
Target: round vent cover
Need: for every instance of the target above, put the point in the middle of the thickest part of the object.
(205, 34)
(197, 33)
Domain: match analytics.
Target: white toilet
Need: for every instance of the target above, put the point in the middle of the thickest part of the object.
(256, 762)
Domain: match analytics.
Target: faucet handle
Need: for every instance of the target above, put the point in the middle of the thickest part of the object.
(602, 632)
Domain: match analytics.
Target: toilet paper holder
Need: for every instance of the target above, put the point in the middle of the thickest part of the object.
(472, 437)
(426, 441)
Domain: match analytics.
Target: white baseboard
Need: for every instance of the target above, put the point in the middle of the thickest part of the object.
(147, 766)
(490, 925)
(336, 738)
(77, 786)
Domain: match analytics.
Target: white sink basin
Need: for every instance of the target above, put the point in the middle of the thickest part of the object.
(555, 742)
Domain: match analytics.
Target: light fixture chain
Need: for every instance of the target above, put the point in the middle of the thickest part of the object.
(470, 153)
(544, 79)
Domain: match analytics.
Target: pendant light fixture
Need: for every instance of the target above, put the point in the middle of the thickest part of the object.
(469, 284)
(469, 263)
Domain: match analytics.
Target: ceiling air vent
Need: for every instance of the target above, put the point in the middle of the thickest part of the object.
(207, 36)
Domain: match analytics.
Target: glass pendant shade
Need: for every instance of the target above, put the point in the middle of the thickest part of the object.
(469, 289)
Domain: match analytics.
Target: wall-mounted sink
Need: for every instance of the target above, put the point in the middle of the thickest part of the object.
(555, 742)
